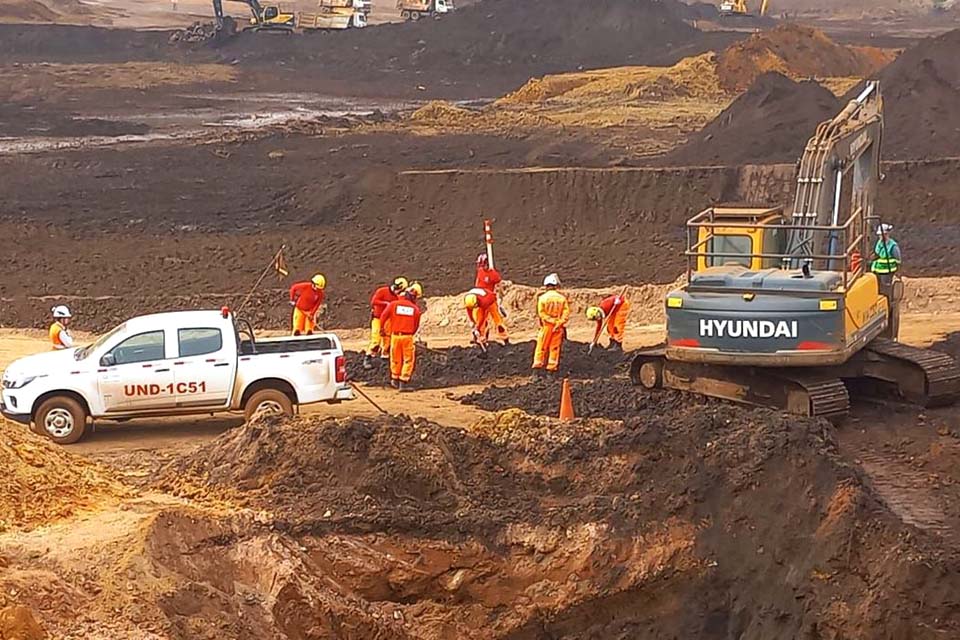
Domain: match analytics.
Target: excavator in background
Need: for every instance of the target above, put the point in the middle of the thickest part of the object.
(269, 18)
(739, 8)
(780, 311)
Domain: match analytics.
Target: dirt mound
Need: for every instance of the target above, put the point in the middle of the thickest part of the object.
(798, 52)
(42, 483)
(921, 91)
(43, 43)
(436, 527)
(769, 123)
(495, 43)
(615, 399)
(25, 11)
(454, 366)
(441, 111)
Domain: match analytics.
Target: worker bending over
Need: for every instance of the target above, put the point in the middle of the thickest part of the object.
(306, 299)
(488, 279)
(553, 312)
(60, 337)
(611, 313)
(379, 301)
(888, 255)
(479, 305)
(403, 317)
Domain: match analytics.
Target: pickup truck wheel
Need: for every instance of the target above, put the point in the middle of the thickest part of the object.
(62, 420)
(268, 402)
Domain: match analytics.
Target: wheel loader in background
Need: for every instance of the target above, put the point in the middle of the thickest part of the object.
(739, 8)
(783, 311)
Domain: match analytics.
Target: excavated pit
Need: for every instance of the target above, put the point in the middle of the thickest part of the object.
(682, 521)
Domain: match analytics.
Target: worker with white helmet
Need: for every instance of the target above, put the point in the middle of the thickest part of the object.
(306, 299)
(887, 251)
(60, 336)
(553, 312)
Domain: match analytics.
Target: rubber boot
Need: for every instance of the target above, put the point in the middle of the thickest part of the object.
(616, 346)
(539, 373)
(367, 362)
(405, 387)
(395, 383)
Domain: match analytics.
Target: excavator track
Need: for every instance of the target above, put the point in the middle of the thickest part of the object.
(923, 376)
(796, 391)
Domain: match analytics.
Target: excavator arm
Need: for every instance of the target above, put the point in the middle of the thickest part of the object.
(847, 144)
(254, 5)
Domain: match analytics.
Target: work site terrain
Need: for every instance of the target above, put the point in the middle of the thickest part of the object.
(763, 442)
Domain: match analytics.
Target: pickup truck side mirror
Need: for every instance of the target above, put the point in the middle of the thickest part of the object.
(108, 360)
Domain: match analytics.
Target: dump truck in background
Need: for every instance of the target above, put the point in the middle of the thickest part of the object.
(335, 15)
(416, 9)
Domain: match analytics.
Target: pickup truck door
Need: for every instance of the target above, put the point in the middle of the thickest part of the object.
(205, 369)
(136, 375)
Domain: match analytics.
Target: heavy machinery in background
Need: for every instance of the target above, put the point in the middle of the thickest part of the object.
(416, 9)
(739, 8)
(335, 15)
(783, 311)
(265, 18)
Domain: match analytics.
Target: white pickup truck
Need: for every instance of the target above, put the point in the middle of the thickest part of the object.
(172, 364)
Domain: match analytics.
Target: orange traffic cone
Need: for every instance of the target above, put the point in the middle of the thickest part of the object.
(566, 402)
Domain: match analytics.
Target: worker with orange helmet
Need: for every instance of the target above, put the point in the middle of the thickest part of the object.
(488, 279)
(306, 299)
(611, 313)
(379, 301)
(60, 337)
(553, 312)
(403, 317)
(479, 304)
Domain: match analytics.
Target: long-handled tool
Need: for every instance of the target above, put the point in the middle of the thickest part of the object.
(368, 398)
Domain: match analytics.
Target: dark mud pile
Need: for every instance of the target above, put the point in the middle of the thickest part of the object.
(921, 91)
(769, 123)
(495, 42)
(615, 398)
(453, 366)
(528, 528)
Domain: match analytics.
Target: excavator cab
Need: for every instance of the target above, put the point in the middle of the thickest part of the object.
(751, 231)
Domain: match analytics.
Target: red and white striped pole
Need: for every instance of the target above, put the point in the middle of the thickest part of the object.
(488, 238)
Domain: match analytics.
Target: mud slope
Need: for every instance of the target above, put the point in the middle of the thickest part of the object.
(921, 92)
(528, 528)
(769, 123)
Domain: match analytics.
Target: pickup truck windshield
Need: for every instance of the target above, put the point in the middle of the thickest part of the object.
(83, 352)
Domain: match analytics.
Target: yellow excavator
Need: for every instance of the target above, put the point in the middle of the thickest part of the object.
(265, 18)
(735, 8)
(783, 311)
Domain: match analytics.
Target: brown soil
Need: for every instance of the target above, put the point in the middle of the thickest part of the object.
(769, 123)
(798, 52)
(25, 11)
(586, 529)
(921, 90)
(43, 483)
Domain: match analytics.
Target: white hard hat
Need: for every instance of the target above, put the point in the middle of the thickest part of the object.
(552, 280)
(61, 311)
(884, 228)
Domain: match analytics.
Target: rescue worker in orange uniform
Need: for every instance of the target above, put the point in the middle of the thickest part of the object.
(612, 312)
(487, 279)
(479, 305)
(553, 312)
(379, 301)
(403, 316)
(306, 299)
(60, 337)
